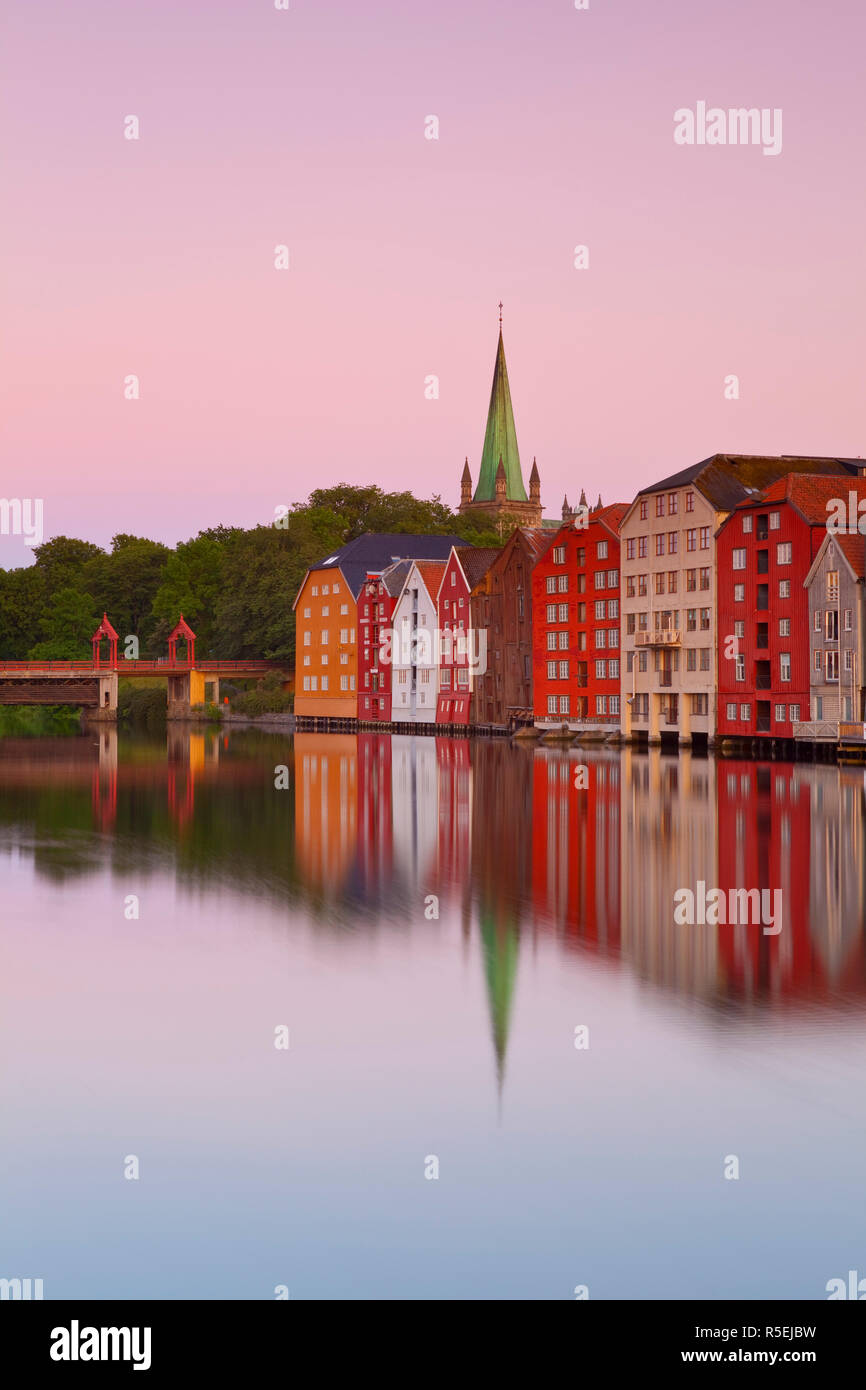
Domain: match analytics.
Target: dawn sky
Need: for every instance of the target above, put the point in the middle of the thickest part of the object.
(306, 128)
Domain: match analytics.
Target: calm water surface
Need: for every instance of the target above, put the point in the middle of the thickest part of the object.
(414, 1036)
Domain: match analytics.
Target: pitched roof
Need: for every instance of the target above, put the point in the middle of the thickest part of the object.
(431, 572)
(379, 549)
(611, 515)
(809, 493)
(476, 561)
(853, 547)
(537, 539)
(500, 439)
(726, 479)
(394, 577)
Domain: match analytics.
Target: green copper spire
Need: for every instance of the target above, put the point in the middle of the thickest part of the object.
(500, 439)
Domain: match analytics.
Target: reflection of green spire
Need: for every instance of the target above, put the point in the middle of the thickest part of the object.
(500, 440)
(500, 940)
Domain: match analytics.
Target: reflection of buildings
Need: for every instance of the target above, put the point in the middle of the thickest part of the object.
(326, 767)
(798, 828)
(669, 834)
(575, 844)
(375, 813)
(415, 789)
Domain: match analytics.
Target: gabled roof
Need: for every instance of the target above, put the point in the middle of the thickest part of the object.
(726, 479)
(105, 629)
(851, 545)
(182, 629)
(376, 551)
(500, 439)
(431, 572)
(475, 561)
(611, 516)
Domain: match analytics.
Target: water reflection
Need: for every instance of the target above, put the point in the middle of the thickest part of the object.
(586, 846)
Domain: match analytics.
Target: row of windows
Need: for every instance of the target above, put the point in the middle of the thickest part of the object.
(563, 641)
(604, 670)
(829, 662)
(784, 556)
(774, 523)
(636, 584)
(667, 542)
(326, 589)
(604, 704)
(831, 623)
(321, 682)
(558, 612)
(697, 658)
(347, 636)
(784, 667)
(668, 620)
(559, 552)
(602, 579)
(781, 712)
(672, 504)
(323, 659)
(325, 610)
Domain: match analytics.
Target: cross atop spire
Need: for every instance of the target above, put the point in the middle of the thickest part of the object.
(500, 313)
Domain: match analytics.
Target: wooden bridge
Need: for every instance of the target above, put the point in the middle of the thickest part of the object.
(92, 685)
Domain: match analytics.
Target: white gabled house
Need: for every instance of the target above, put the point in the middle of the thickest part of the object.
(414, 650)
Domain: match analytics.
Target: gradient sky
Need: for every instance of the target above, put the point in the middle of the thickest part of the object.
(261, 127)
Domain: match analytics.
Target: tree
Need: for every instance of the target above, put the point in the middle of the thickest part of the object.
(67, 628)
(190, 583)
(125, 584)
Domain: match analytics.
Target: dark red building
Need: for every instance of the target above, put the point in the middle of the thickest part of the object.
(376, 603)
(465, 567)
(576, 620)
(501, 604)
(764, 551)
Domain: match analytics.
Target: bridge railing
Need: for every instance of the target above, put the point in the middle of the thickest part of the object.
(161, 666)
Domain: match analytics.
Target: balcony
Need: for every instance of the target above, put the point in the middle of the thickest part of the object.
(664, 637)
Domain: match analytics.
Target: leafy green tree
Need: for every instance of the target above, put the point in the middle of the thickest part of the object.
(125, 583)
(67, 628)
(23, 598)
(191, 583)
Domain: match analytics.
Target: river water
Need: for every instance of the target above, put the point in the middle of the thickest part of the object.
(509, 1072)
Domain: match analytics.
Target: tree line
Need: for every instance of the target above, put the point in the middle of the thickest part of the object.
(234, 586)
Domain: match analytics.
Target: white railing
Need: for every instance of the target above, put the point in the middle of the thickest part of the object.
(815, 728)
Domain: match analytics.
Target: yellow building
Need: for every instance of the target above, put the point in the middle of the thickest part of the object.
(326, 618)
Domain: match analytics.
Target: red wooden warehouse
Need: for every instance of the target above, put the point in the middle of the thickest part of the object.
(764, 550)
(576, 620)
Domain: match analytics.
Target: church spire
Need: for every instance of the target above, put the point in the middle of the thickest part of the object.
(500, 439)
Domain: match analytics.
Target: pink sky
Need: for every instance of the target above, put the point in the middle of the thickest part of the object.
(261, 127)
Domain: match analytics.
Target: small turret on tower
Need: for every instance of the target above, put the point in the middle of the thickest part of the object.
(501, 482)
(566, 509)
(535, 483)
(466, 484)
